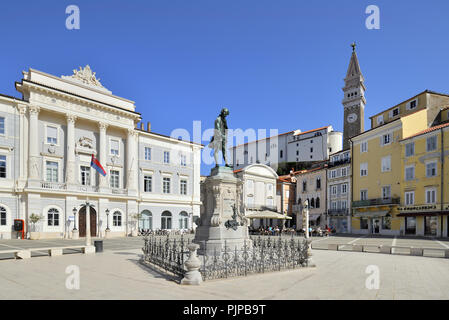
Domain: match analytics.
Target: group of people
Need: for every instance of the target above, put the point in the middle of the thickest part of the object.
(271, 230)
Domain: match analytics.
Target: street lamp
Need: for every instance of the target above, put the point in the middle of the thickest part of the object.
(107, 219)
(74, 221)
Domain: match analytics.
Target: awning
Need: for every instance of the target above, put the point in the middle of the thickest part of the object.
(371, 214)
(314, 217)
(266, 214)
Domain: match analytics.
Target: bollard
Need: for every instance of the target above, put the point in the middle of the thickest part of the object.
(192, 276)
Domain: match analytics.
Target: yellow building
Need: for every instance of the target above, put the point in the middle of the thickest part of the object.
(424, 186)
(377, 165)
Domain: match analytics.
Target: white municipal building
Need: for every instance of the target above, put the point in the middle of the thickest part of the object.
(47, 139)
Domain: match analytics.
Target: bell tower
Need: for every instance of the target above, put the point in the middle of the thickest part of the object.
(354, 100)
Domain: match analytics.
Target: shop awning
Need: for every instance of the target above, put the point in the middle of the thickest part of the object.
(266, 214)
(371, 214)
(314, 217)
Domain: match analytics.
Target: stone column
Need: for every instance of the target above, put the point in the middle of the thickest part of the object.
(33, 161)
(131, 162)
(70, 165)
(103, 182)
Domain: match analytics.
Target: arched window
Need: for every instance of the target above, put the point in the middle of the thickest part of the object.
(146, 220)
(317, 202)
(117, 219)
(318, 183)
(2, 216)
(183, 220)
(312, 203)
(53, 217)
(166, 220)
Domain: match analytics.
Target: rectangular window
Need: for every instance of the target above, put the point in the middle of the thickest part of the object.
(364, 147)
(183, 160)
(380, 119)
(343, 172)
(115, 179)
(431, 143)
(412, 104)
(147, 183)
(409, 173)
(409, 198)
(410, 225)
(53, 217)
(431, 169)
(410, 149)
(431, 196)
(166, 185)
(344, 188)
(52, 171)
(395, 112)
(114, 147)
(386, 139)
(85, 176)
(2, 125)
(386, 192)
(363, 194)
(2, 166)
(183, 187)
(334, 190)
(363, 169)
(386, 164)
(166, 157)
(147, 153)
(386, 222)
(52, 135)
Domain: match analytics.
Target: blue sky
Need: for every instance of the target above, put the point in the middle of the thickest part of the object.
(275, 64)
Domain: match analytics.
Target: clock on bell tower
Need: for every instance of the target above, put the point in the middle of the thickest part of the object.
(354, 100)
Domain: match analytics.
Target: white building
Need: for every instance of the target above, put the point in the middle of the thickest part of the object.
(292, 147)
(47, 139)
(259, 194)
(339, 191)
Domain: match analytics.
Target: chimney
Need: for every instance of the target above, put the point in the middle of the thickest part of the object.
(149, 126)
(142, 126)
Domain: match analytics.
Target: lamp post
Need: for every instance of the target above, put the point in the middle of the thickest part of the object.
(107, 231)
(75, 232)
(309, 242)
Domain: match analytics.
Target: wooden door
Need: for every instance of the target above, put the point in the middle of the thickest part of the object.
(82, 222)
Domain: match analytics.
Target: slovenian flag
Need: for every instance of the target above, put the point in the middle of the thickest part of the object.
(94, 163)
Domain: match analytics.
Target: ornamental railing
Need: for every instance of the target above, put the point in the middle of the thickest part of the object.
(259, 255)
(338, 212)
(53, 185)
(376, 202)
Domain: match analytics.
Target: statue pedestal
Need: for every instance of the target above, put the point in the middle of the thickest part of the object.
(220, 224)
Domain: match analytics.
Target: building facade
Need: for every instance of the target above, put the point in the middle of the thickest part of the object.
(286, 191)
(378, 165)
(311, 186)
(48, 139)
(339, 191)
(292, 147)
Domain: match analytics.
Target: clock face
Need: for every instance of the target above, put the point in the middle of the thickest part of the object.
(352, 117)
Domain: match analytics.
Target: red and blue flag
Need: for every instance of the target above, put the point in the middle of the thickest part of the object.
(94, 163)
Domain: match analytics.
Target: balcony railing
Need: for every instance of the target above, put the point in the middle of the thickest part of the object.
(53, 185)
(88, 188)
(339, 163)
(376, 202)
(338, 212)
(260, 207)
(119, 191)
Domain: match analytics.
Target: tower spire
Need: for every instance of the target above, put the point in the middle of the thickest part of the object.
(354, 99)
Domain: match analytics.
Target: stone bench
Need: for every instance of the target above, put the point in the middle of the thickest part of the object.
(52, 251)
(385, 249)
(416, 251)
(357, 247)
(332, 247)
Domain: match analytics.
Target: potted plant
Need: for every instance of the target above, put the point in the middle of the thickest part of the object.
(34, 218)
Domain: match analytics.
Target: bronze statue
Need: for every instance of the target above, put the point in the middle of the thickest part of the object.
(220, 138)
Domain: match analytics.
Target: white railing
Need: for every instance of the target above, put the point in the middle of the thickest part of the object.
(53, 185)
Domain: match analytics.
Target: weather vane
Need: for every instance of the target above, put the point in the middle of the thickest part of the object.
(353, 45)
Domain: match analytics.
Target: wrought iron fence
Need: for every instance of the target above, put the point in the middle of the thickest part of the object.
(262, 254)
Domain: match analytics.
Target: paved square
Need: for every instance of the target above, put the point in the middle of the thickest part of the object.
(118, 274)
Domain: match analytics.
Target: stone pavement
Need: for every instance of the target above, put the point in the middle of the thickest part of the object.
(119, 275)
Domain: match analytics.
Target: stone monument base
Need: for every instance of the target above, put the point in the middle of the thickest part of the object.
(214, 239)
